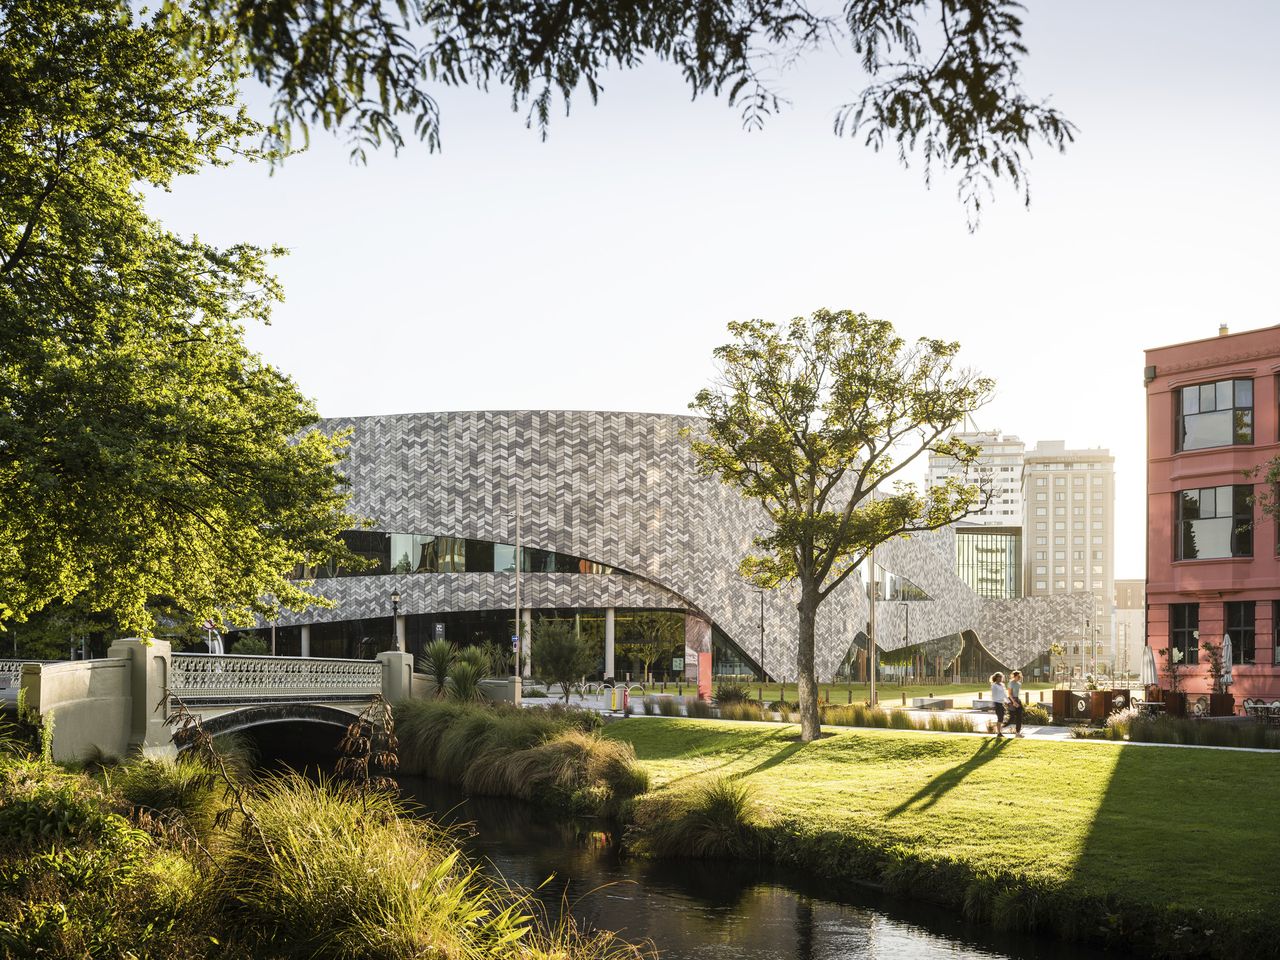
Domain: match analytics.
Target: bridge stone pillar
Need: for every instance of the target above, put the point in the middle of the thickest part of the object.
(306, 641)
(149, 662)
(397, 675)
(608, 642)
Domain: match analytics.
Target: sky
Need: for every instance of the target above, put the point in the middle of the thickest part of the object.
(598, 269)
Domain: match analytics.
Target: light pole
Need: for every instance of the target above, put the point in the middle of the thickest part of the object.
(906, 630)
(871, 630)
(761, 592)
(395, 617)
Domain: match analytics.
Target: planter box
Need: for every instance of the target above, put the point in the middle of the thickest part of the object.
(1100, 705)
(1175, 704)
(1222, 704)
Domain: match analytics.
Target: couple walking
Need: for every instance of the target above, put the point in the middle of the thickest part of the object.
(1010, 698)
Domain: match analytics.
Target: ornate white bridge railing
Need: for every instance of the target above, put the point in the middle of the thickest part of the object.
(205, 678)
(11, 672)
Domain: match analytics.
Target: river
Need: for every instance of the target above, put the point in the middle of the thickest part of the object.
(696, 910)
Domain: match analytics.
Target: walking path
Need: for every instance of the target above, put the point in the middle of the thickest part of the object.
(979, 719)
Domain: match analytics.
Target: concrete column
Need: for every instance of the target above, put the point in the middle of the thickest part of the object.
(397, 675)
(526, 634)
(148, 683)
(608, 643)
(400, 637)
(306, 640)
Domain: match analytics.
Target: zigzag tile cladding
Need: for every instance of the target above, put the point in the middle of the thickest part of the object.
(621, 489)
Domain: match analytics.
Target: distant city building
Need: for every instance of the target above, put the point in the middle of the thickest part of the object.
(1131, 625)
(989, 559)
(1212, 562)
(1069, 533)
(999, 465)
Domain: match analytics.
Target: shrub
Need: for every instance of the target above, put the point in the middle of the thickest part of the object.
(464, 681)
(250, 645)
(554, 755)
(650, 705)
(742, 711)
(670, 707)
(437, 657)
(949, 723)
(535, 693)
(561, 655)
(333, 879)
(1204, 733)
(698, 708)
(478, 657)
(1120, 721)
(732, 693)
(715, 820)
(185, 797)
(1036, 714)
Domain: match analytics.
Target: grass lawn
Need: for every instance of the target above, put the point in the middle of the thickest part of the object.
(1158, 825)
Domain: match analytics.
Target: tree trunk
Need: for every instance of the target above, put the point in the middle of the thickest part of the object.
(807, 680)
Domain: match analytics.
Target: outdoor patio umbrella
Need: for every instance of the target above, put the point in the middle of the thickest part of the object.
(1226, 659)
(1149, 676)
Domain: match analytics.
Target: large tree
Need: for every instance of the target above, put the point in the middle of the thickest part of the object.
(942, 77)
(146, 456)
(817, 421)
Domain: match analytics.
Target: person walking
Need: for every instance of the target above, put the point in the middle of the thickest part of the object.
(998, 697)
(1016, 706)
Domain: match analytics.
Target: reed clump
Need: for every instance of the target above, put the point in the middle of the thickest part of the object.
(719, 819)
(551, 756)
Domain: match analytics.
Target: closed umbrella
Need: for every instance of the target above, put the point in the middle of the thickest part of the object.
(1149, 676)
(1226, 659)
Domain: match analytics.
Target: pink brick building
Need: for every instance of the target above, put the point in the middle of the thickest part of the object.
(1213, 561)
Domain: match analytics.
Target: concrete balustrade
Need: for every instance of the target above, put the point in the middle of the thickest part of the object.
(116, 705)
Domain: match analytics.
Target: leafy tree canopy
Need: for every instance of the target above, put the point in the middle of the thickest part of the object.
(817, 421)
(144, 451)
(943, 76)
(560, 655)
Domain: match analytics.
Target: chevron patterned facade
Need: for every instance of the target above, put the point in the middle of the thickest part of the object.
(621, 489)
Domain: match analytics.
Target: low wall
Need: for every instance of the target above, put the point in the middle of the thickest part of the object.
(90, 702)
(501, 690)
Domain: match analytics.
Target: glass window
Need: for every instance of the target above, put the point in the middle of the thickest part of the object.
(1239, 618)
(452, 554)
(1042, 585)
(1060, 525)
(1041, 541)
(1275, 631)
(1214, 523)
(504, 558)
(1215, 415)
(478, 556)
(1042, 511)
(1184, 631)
(1042, 526)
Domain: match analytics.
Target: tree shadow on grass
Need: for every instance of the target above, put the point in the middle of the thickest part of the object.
(943, 783)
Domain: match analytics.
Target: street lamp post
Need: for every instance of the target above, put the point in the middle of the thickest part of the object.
(395, 617)
(761, 592)
(906, 630)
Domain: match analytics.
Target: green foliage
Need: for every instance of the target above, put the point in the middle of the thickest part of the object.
(479, 658)
(144, 452)
(437, 657)
(698, 708)
(464, 681)
(545, 756)
(732, 693)
(743, 710)
(816, 421)
(250, 645)
(670, 706)
(716, 820)
(1036, 714)
(649, 636)
(946, 79)
(185, 797)
(1203, 733)
(561, 657)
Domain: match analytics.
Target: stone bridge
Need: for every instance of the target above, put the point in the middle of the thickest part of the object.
(117, 705)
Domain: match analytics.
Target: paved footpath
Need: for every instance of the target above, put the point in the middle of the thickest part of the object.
(979, 719)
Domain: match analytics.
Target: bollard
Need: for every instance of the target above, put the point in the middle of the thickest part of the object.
(851, 696)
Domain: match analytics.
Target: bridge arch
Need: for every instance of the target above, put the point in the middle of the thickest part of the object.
(259, 715)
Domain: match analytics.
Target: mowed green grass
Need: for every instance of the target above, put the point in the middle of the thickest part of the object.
(1161, 825)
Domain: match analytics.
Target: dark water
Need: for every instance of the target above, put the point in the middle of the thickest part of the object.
(693, 910)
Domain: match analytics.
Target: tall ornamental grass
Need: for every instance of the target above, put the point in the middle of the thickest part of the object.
(553, 756)
(718, 819)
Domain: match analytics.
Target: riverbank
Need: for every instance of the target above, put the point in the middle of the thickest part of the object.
(1158, 850)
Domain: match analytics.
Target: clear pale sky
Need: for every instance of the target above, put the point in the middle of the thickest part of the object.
(598, 270)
